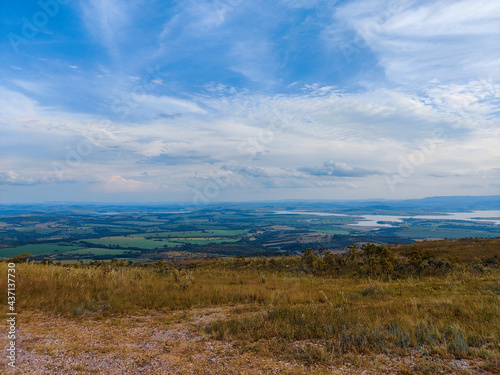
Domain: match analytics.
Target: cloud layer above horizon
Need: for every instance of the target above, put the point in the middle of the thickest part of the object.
(203, 101)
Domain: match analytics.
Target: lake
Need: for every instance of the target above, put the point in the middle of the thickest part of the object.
(490, 216)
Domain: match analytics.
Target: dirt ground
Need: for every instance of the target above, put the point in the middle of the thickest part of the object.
(161, 343)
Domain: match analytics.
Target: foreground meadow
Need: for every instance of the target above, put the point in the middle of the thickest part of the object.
(322, 313)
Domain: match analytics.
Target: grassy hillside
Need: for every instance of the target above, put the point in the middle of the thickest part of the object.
(464, 248)
(315, 313)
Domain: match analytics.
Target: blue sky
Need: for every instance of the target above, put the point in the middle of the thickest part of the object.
(203, 101)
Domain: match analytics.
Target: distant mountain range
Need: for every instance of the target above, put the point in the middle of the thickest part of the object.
(414, 206)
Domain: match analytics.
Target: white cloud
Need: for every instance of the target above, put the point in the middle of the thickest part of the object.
(421, 41)
(255, 60)
(119, 184)
(278, 141)
(259, 172)
(198, 17)
(13, 178)
(307, 4)
(30, 178)
(472, 105)
(164, 104)
(340, 169)
(105, 20)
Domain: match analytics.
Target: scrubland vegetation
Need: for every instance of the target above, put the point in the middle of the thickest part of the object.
(317, 309)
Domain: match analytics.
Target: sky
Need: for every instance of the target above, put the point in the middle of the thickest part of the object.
(202, 101)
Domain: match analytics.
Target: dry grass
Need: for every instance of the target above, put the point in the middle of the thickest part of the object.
(452, 317)
(149, 342)
(228, 315)
(464, 248)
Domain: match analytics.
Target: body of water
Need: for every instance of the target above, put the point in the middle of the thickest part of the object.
(491, 216)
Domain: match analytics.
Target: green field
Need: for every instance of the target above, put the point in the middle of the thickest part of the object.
(207, 241)
(98, 251)
(331, 231)
(436, 232)
(36, 249)
(125, 242)
(102, 225)
(135, 260)
(150, 244)
(41, 230)
(185, 234)
(158, 240)
(81, 231)
(138, 222)
(310, 219)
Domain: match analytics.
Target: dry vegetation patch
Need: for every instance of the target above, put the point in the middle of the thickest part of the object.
(286, 315)
(153, 342)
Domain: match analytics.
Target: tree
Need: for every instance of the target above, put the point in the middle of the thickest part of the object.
(417, 261)
(160, 264)
(312, 261)
(386, 260)
(351, 252)
(330, 259)
(20, 258)
(370, 250)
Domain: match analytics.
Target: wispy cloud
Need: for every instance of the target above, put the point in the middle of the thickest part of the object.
(339, 169)
(105, 20)
(255, 60)
(12, 178)
(37, 178)
(421, 41)
(119, 184)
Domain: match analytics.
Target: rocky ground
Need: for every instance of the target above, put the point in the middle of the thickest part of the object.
(168, 343)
